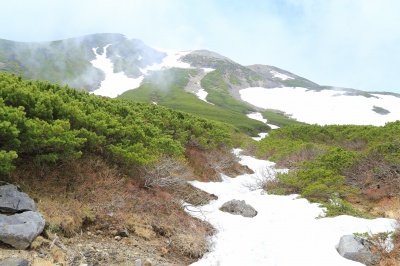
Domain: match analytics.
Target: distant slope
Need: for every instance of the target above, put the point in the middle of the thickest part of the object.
(282, 77)
(67, 62)
(166, 88)
(123, 64)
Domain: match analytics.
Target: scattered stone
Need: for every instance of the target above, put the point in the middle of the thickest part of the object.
(19, 230)
(124, 233)
(14, 262)
(357, 249)
(113, 232)
(118, 238)
(148, 262)
(14, 201)
(138, 262)
(239, 207)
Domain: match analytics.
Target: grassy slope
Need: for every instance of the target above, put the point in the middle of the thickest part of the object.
(218, 93)
(279, 119)
(166, 89)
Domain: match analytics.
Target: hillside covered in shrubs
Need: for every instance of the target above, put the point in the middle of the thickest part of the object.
(49, 123)
(337, 165)
(106, 165)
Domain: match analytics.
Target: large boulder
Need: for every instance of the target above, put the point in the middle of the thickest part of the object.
(19, 230)
(239, 207)
(14, 262)
(14, 201)
(357, 249)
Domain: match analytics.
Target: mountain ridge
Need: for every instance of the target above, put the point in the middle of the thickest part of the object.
(219, 80)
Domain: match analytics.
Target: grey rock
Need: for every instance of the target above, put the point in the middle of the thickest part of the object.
(124, 233)
(14, 262)
(14, 201)
(19, 230)
(239, 207)
(357, 249)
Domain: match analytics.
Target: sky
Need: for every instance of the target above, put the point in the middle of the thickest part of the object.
(343, 43)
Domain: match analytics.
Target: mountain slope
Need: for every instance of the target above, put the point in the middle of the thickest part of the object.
(69, 61)
(111, 64)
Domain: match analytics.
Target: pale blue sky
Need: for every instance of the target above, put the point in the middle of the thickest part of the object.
(348, 43)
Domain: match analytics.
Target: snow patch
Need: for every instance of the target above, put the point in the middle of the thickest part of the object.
(171, 60)
(114, 84)
(284, 232)
(260, 136)
(202, 94)
(280, 75)
(325, 107)
(139, 58)
(207, 70)
(257, 116)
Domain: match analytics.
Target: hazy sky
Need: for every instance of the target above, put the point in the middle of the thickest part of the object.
(347, 43)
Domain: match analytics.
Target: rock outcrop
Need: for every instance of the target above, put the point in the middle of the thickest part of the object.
(239, 207)
(14, 201)
(20, 223)
(14, 262)
(357, 249)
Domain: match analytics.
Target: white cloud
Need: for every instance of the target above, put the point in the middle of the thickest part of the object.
(338, 42)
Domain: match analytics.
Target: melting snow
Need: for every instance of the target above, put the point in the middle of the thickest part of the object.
(284, 232)
(171, 60)
(260, 136)
(324, 107)
(257, 116)
(280, 75)
(207, 70)
(114, 84)
(117, 83)
(202, 94)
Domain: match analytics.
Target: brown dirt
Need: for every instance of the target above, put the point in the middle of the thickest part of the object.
(101, 216)
(208, 166)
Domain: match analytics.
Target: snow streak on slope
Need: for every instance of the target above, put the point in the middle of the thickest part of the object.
(114, 83)
(280, 75)
(202, 94)
(117, 83)
(324, 107)
(284, 232)
(258, 116)
(171, 60)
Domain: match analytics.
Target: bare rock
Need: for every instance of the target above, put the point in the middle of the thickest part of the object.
(239, 207)
(19, 230)
(357, 249)
(14, 262)
(14, 201)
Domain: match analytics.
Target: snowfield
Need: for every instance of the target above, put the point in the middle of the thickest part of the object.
(280, 75)
(114, 84)
(284, 232)
(325, 107)
(171, 60)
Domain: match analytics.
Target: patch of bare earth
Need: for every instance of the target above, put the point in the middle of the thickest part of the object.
(97, 215)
